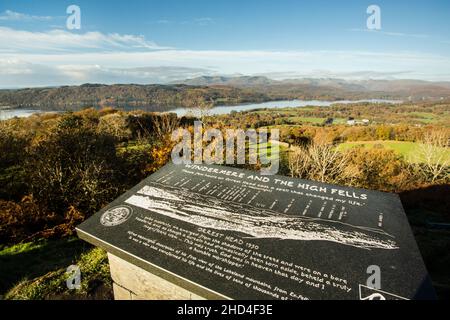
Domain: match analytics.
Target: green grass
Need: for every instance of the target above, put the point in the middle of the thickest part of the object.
(295, 119)
(37, 270)
(312, 120)
(424, 117)
(339, 121)
(401, 147)
(315, 120)
(271, 153)
(409, 150)
(134, 146)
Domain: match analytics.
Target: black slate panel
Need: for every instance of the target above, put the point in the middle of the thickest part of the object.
(234, 234)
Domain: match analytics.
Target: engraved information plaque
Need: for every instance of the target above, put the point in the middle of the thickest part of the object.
(226, 233)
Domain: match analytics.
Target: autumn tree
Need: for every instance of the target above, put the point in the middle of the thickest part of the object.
(432, 159)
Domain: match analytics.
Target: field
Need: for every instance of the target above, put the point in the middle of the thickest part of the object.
(273, 154)
(411, 151)
(411, 114)
(425, 117)
(314, 120)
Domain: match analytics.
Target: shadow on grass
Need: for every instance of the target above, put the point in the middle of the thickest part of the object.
(422, 207)
(432, 201)
(35, 259)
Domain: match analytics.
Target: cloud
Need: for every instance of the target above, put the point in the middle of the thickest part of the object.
(411, 35)
(163, 21)
(19, 73)
(329, 74)
(162, 66)
(62, 41)
(394, 34)
(60, 57)
(204, 21)
(9, 15)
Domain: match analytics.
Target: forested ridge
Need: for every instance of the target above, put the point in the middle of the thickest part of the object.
(157, 97)
(152, 97)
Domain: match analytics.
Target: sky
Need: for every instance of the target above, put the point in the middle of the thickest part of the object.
(146, 41)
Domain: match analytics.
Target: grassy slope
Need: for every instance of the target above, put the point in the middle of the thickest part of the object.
(37, 270)
(409, 150)
(272, 153)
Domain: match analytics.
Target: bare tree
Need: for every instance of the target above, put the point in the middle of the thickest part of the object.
(432, 159)
(320, 162)
(200, 109)
(114, 124)
(165, 124)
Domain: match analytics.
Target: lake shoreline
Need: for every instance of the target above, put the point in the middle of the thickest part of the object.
(20, 112)
(278, 104)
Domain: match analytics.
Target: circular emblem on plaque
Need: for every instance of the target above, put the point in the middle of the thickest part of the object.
(115, 216)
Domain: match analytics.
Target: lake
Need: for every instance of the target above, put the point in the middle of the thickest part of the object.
(6, 114)
(279, 104)
(21, 113)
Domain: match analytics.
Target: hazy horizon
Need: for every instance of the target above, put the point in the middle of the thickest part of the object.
(181, 81)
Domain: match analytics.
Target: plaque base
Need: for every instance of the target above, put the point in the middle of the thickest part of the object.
(131, 282)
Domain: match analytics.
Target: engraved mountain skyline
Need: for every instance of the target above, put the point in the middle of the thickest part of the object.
(209, 212)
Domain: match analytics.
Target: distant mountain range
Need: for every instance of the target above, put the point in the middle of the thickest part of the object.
(404, 88)
(240, 81)
(219, 90)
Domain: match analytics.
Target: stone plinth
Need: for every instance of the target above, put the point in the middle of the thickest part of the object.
(134, 283)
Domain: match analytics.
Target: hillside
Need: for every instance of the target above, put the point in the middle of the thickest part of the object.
(210, 91)
(153, 97)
